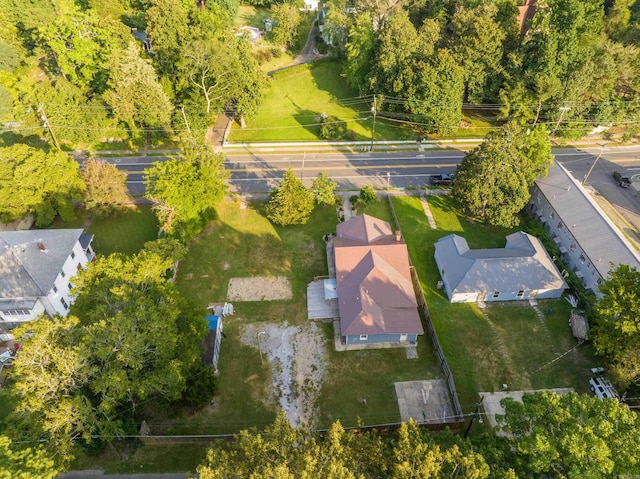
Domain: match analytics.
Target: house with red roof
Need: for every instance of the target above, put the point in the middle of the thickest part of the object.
(376, 300)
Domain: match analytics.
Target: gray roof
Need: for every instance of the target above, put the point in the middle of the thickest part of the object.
(598, 237)
(523, 264)
(31, 260)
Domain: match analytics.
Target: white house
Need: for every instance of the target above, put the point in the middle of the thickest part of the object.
(586, 238)
(521, 270)
(36, 268)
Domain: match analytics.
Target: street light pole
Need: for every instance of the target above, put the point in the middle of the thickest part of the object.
(304, 155)
(563, 110)
(602, 148)
(388, 180)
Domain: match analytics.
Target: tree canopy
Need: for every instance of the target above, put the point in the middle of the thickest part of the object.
(617, 327)
(38, 182)
(572, 435)
(184, 189)
(493, 179)
(291, 203)
(106, 186)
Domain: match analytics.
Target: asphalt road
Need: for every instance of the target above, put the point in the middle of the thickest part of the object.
(258, 172)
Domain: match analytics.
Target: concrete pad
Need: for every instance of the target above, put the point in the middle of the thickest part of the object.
(426, 402)
(412, 353)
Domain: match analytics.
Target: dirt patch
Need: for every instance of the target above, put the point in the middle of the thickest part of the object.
(297, 355)
(259, 288)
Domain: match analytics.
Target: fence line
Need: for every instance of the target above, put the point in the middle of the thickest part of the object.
(424, 309)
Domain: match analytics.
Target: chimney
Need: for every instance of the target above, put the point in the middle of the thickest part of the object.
(41, 246)
(398, 236)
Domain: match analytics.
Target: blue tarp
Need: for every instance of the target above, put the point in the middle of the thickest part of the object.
(213, 322)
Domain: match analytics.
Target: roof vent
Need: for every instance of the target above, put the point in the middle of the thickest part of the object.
(41, 246)
(398, 235)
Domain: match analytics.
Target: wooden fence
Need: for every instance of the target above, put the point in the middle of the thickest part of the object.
(424, 312)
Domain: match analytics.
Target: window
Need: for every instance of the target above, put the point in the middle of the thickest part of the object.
(55, 289)
(73, 254)
(560, 225)
(79, 267)
(582, 258)
(62, 273)
(552, 215)
(520, 294)
(64, 303)
(573, 247)
(69, 286)
(364, 337)
(496, 294)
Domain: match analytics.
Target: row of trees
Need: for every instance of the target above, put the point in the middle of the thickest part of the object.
(427, 58)
(98, 82)
(550, 436)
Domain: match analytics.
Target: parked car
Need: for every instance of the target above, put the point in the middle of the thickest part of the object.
(602, 388)
(622, 179)
(442, 180)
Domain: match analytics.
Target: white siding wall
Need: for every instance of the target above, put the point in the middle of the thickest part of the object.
(70, 269)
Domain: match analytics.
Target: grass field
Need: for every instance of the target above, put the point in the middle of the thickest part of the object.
(297, 98)
(510, 344)
(125, 231)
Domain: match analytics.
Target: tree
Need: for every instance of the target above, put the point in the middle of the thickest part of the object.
(291, 203)
(33, 181)
(184, 189)
(81, 44)
(493, 179)
(332, 128)
(477, 45)
(74, 119)
(617, 326)
(106, 186)
(287, 18)
(137, 97)
(168, 25)
(572, 435)
(360, 53)
(25, 462)
(324, 190)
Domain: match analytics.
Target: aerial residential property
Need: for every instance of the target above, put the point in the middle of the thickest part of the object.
(587, 239)
(520, 270)
(36, 271)
(376, 300)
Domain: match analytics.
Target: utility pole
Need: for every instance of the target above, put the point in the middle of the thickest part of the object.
(45, 123)
(563, 110)
(602, 148)
(473, 417)
(304, 155)
(374, 110)
(185, 120)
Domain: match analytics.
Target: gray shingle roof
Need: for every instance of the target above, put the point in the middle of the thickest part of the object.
(523, 264)
(31, 260)
(600, 240)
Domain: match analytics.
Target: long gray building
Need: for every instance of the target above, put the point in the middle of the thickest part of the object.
(587, 239)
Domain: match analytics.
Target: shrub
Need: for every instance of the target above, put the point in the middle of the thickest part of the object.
(367, 194)
(332, 128)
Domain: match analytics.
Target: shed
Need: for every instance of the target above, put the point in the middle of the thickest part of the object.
(579, 326)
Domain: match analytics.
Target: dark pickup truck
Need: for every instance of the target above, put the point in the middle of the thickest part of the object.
(442, 180)
(622, 179)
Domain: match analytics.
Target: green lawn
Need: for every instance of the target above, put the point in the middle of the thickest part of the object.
(378, 208)
(296, 99)
(507, 345)
(125, 231)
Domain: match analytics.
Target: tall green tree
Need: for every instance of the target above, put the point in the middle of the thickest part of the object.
(168, 26)
(81, 44)
(136, 96)
(75, 119)
(617, 327)
(288, 18)
(493, 179)
(106, 187)
(291, 203)
(477, 45)
(572, 435)
(323, 189)
(34, 181)
(183, 190)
